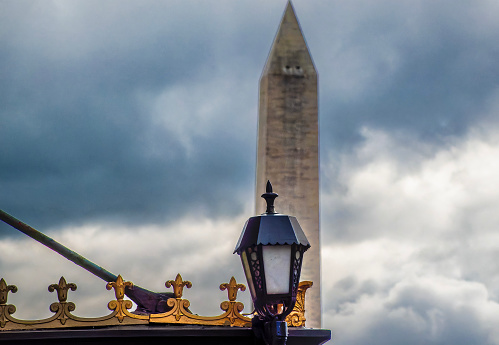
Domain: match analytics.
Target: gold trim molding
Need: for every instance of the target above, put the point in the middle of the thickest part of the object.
(120, 314)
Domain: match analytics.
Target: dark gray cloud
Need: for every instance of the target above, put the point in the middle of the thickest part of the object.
(75, 139)
(134, 124)
(76, 142)
(425, 68)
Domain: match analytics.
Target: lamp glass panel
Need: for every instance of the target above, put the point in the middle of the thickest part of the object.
(247, 272)
(277, 263)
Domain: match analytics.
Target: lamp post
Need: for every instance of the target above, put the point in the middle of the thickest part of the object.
(271, 248)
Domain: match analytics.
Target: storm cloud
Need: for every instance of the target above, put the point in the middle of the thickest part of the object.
(128, 132)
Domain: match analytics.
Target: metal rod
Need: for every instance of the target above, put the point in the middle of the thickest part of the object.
(147, 301)
(57, 247)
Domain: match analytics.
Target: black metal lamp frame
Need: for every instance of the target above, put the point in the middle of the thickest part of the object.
(273, 306)
(271, 229)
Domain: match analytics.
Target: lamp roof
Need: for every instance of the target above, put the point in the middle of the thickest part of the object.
(271, 229)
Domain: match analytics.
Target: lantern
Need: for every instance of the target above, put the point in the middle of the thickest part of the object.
(271, 248)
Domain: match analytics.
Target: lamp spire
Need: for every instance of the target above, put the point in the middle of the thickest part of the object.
(269, 197)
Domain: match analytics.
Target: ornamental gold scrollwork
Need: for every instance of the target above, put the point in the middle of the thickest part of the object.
(181, 314)
(6, 309)
(62, 310)
(232, 308)
(121, 306)
(120, 314)
(297, 316)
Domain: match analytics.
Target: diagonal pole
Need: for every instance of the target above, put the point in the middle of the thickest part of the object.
(147, 301)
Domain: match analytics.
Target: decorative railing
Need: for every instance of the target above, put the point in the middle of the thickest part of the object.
(120, 314)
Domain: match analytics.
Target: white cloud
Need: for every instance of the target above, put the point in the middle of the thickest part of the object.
(411, 241)
(420, 310)
(401, 193)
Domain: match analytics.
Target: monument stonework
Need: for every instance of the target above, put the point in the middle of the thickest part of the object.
(288, 144)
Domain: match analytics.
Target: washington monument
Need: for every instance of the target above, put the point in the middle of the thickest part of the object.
(288, 144)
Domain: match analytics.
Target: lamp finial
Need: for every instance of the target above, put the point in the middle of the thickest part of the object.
(269, 197)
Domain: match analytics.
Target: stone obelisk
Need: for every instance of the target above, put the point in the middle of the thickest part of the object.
(288, 144)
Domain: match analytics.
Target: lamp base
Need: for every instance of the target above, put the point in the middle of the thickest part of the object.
(270, 332)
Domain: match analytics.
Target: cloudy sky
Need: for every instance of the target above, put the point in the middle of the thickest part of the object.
(128, 133)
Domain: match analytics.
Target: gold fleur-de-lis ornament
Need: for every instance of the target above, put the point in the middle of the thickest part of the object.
(178, 285)
(119, 287)
(4, 291)
(232, 288)
(62, 289)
